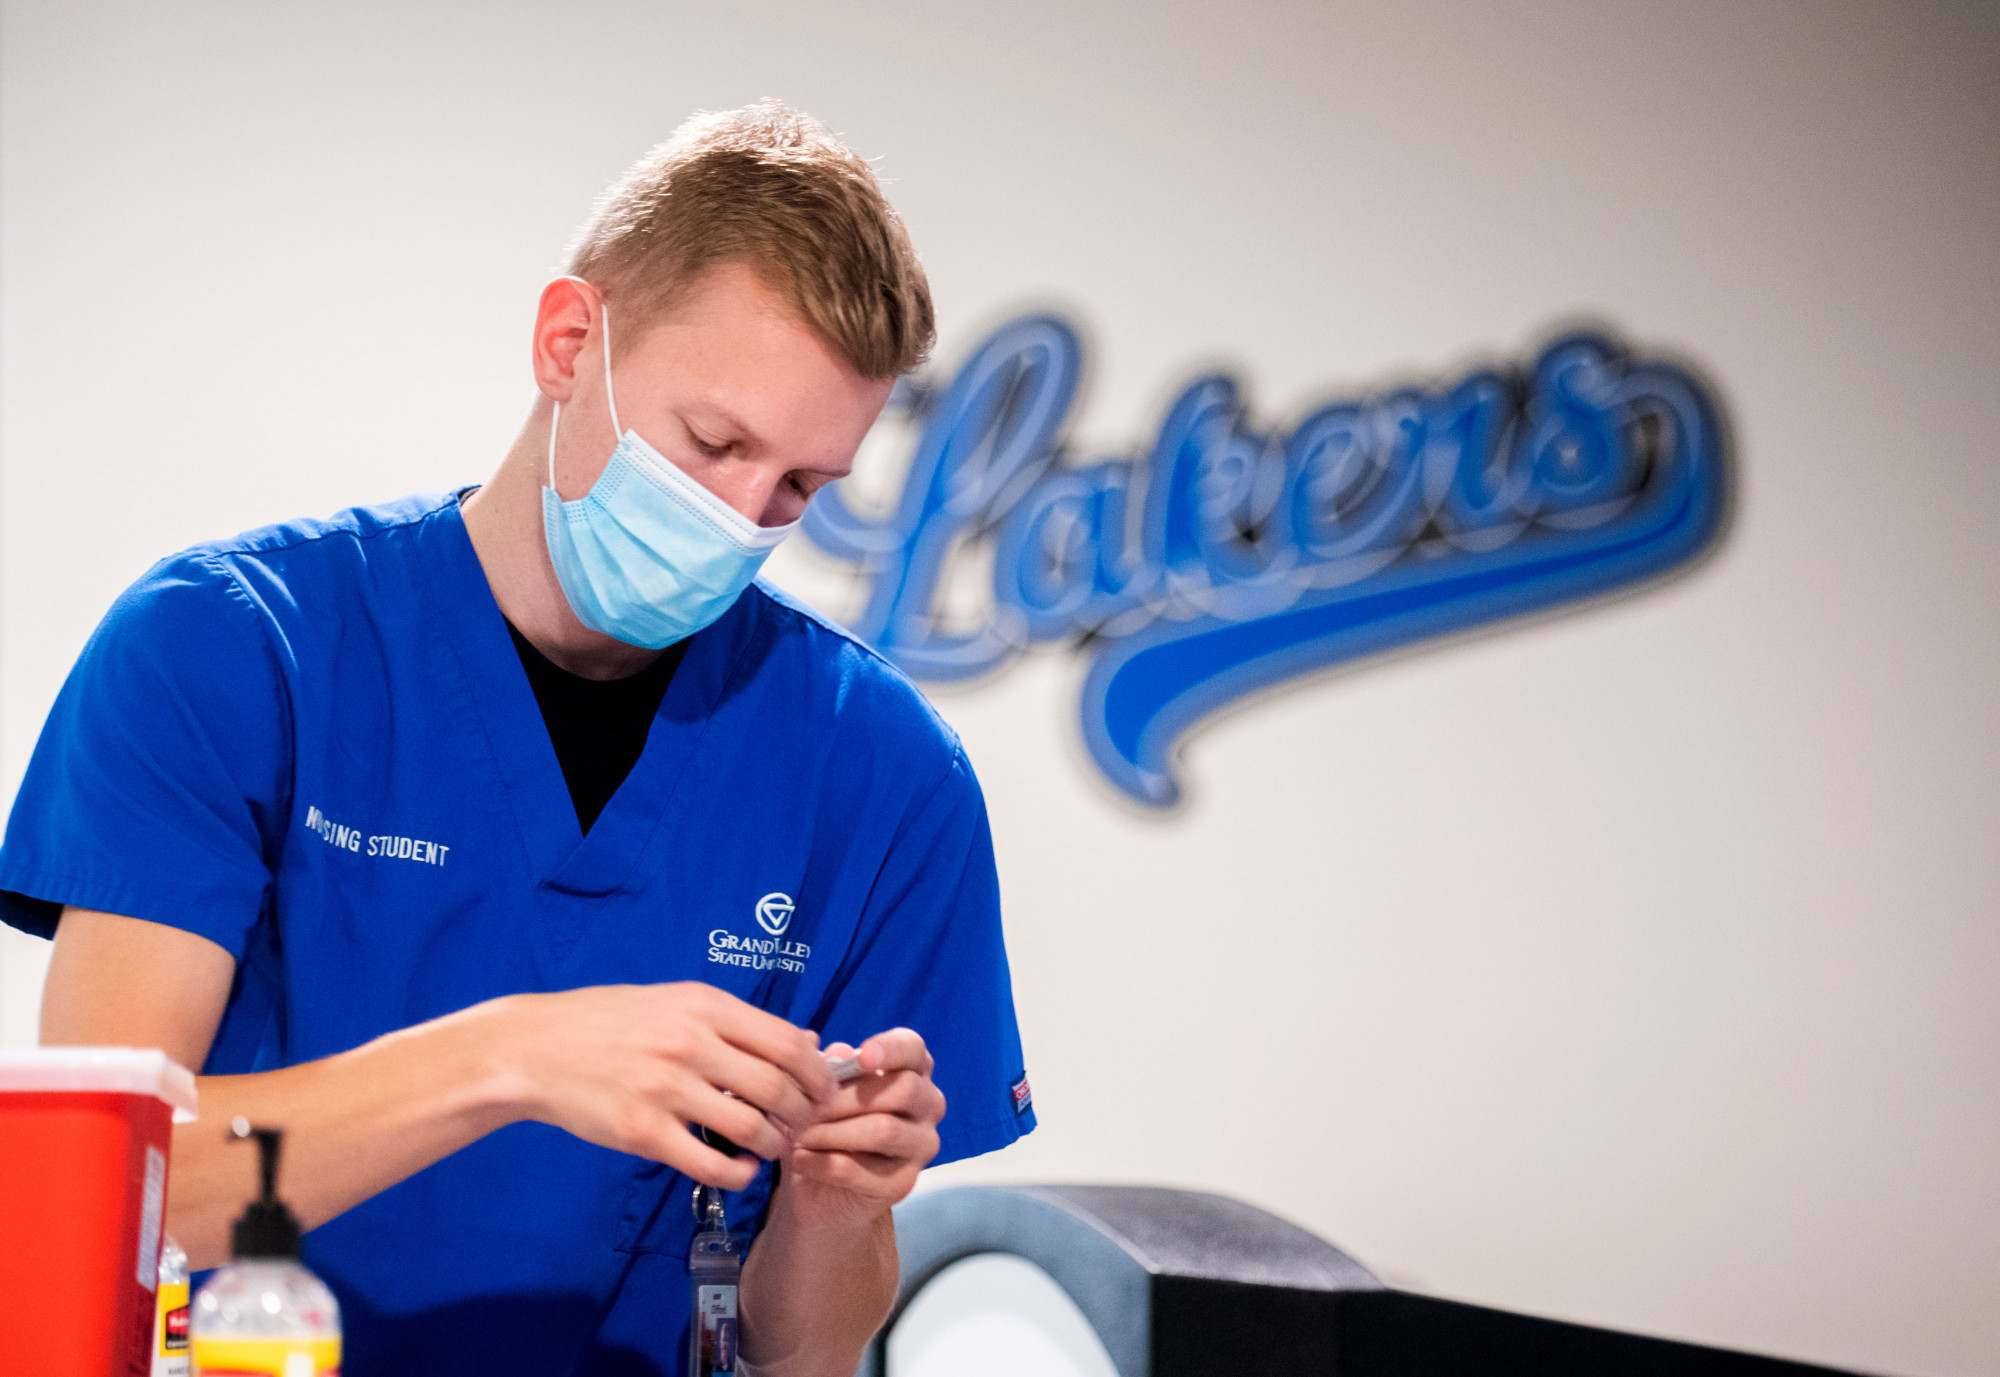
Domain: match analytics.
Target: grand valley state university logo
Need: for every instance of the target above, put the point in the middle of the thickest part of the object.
(1225, 559)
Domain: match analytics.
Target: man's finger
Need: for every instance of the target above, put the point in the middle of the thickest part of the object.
(675, 1145)
(882, 1135)
(864, 1173)
(899, 1049)
(792, 1050)
(759, 1082)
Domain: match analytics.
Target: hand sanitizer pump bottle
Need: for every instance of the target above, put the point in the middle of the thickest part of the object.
(265, 1313)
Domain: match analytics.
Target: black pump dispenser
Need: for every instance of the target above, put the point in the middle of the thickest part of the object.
(266, 1228)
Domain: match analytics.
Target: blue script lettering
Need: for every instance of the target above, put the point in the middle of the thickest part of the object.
(1227, 559)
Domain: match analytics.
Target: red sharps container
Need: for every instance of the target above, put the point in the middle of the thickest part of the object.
(84, 1133)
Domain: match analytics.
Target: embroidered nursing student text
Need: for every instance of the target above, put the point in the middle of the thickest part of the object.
(386, 846)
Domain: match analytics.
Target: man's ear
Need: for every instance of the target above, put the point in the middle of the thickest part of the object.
(563, 316)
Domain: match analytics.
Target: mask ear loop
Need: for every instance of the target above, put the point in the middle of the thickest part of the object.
(554, 421)
(617, 431)
(604, 318)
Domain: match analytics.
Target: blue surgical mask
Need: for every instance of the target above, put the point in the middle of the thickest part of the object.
(648, 555)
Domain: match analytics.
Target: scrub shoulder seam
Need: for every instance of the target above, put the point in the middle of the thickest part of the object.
(784, 603)
(267, 539)
(271, 639)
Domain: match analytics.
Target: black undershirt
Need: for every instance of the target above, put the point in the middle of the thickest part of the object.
(598, 726)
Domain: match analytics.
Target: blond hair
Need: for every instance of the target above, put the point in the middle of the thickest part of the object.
(769, 186)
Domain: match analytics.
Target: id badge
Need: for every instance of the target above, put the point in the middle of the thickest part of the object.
(715, 1267)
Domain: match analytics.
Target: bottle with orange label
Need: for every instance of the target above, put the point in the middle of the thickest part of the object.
(265, 1315)
(170, 1321)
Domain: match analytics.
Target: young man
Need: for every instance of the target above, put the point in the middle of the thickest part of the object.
(484, 841)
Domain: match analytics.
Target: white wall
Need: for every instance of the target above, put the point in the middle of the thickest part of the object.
(1633, 966)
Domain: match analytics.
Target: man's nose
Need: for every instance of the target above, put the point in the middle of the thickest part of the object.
(749, 490)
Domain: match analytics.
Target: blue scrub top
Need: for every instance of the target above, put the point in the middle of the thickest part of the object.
(314, 745)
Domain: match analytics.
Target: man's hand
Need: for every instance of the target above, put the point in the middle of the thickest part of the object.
(631, 1066)
(871, 1138)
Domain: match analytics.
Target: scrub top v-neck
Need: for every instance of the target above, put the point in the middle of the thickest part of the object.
(314, 745)
(560, 854)
(597, 726)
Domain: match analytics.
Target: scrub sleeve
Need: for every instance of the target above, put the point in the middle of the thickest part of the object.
(160, 779)
(930, 956)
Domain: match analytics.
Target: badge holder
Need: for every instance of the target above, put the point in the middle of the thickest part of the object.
(715, 1269)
